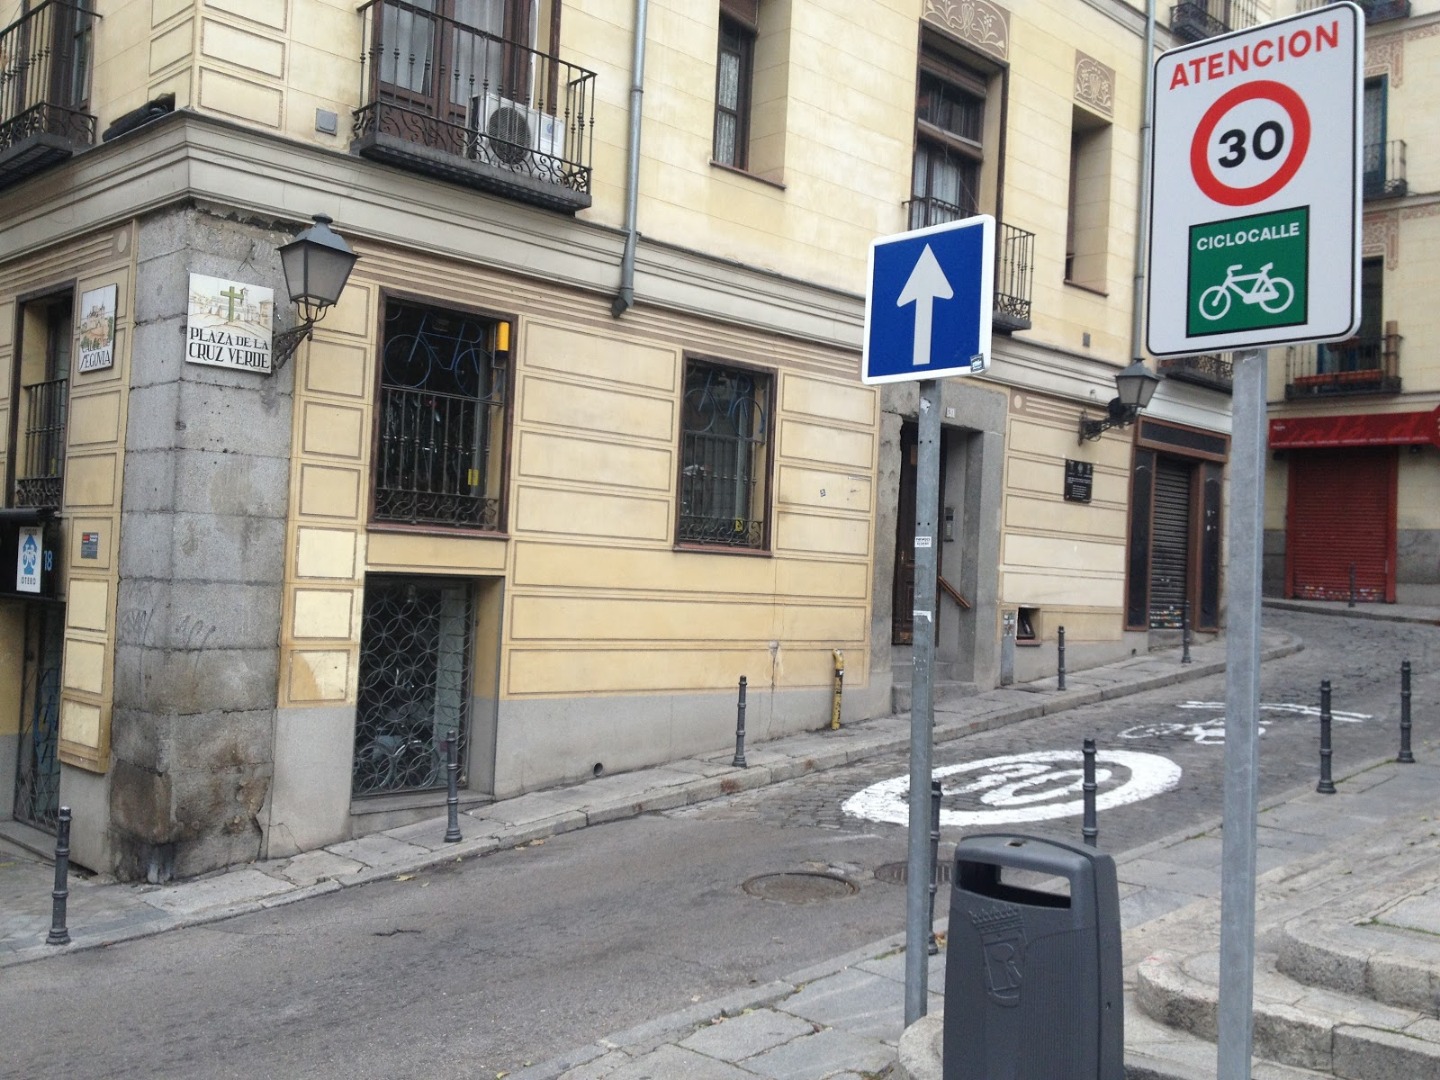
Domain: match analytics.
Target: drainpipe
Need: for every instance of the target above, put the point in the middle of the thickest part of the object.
(625, 299)
(1138, 303)
(839, 689)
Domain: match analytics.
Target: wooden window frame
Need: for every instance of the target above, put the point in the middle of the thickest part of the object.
(743, 36)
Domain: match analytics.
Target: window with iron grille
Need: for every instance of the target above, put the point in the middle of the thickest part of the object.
(949, 137)
(724, 456)
(414, 693)
(46, 333)
(734, 69)
(440, 444)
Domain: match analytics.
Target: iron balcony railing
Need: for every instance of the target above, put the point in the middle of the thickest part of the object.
(41, 475)
(1384, 174)
(1014, 260)
(1376, 11)
(1215, 370)
(1361, 365)
(45, 66)
(438, 459)
(1196, 20)
(449, 99)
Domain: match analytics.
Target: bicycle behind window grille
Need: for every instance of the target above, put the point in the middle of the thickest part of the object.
(440, 456)
(414, 683)
(724, 456)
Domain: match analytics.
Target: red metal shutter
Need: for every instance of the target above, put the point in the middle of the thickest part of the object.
(1341, 513)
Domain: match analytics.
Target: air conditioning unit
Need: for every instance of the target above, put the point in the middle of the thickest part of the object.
(515, 136)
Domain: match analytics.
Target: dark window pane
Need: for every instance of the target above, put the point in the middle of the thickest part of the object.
(442, 420)
(724, 459)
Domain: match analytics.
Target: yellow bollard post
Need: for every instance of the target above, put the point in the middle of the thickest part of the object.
(839, 687)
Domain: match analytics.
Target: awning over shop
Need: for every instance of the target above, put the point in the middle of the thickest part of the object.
(1356, 429)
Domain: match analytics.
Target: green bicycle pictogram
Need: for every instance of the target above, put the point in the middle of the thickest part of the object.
(1272, 293)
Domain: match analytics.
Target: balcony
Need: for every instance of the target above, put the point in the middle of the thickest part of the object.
(1014, 260)
(45, 62)
(41, 472)
(1361, 365)
(1384, 174)
(1213, 370)
(1196, 21)
(452, 101)
(1376, 11)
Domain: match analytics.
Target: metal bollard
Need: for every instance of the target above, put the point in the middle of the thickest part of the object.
(1406, 757)
(58, 934)
(452, 790)
(1089, 829)
(1060, 652)
(739, 761)
(1185, 632)
(1352, 586)
(838, 690)
(936, 793)
(1326, 785)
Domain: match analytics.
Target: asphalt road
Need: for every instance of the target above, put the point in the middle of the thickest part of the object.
(483, 966)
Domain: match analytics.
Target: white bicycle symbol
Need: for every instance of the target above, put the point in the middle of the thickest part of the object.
(1039, 785)
(1273, 294)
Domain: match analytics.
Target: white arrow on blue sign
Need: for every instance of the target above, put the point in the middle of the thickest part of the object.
(930, 302)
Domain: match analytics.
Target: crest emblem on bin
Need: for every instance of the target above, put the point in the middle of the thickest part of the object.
(1002, 937)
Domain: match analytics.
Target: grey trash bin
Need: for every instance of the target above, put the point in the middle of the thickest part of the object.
(1033, 986)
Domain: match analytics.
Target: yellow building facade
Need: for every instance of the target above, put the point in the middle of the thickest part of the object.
(583, 442)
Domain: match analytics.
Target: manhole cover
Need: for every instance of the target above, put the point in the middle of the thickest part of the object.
(799, 887)
(897, 873)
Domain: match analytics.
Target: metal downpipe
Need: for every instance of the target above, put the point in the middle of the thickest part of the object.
(625, 299)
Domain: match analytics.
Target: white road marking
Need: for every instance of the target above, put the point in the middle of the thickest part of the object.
(1023, 787)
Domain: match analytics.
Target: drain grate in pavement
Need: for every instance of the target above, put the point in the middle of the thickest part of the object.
(897, 873)
(800, 887)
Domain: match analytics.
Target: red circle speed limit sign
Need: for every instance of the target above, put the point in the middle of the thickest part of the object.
(1255, 186)
(1250, 143)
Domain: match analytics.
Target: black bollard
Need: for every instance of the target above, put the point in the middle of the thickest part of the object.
(452, 790)
(1185, 632)
(739, 761)
(58, 934)
(1406, 757)
(1060, 651)
(1089, 829)
(1352, 586)
(936, 793)
(1326, 785)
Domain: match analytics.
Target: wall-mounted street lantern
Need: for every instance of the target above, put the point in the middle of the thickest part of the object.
(1136, 386)
(317, 263)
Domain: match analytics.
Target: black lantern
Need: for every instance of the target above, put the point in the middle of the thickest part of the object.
(317, 263)
(1136, 386)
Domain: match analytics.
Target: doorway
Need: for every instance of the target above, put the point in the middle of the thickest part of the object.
(37, 772)
(903, 601)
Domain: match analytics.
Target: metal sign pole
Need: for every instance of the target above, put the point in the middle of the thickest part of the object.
(922, 706)
(1242, 711)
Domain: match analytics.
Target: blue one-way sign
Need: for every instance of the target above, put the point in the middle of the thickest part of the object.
(930, 302)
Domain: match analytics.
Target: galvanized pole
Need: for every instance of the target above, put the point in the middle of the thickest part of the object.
(1242, 712)
(922, 706)
(1406, 756)
(59, 935)
(1089, 828)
